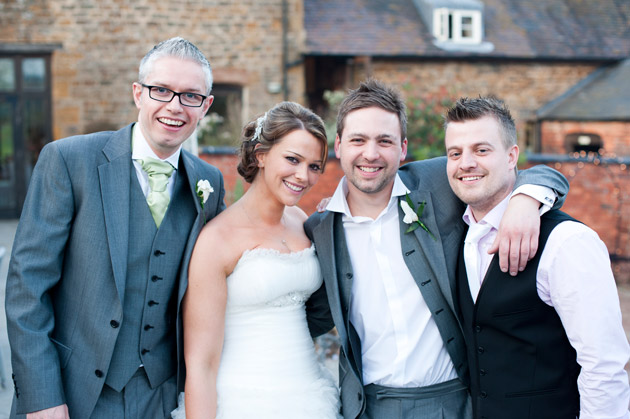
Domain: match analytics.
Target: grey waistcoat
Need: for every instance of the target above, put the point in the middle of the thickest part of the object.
(147, 332)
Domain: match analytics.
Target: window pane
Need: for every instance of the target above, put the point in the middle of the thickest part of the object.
(7, 156)
(223, 124)
(7, 75)
(467, 27)
(34, 73)
(34, 124)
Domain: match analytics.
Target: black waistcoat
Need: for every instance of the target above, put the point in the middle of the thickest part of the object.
(522, 365)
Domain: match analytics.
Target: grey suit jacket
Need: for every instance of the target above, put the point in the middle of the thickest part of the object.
(67, 273)
(431, 262)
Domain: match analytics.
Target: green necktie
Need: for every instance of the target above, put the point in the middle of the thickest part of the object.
(159, 172)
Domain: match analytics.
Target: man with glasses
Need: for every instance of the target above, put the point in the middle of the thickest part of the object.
(99, 261)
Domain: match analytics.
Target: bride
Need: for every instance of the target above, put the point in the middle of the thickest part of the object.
(248, 351)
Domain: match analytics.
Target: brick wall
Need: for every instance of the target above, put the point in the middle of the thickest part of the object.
(524, 86)
(599, 196)
(104, 40)
(600, 187)
(615, 136)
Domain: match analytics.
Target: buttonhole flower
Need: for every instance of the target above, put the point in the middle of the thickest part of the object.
(413, 215)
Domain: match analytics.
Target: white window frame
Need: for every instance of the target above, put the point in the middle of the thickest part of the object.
(441, 25)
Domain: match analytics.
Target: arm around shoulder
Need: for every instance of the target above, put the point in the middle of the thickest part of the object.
(545, 176)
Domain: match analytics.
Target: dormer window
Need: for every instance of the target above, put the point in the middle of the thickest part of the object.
(459, 26)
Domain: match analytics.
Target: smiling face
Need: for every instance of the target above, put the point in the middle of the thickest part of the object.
(481, 170)
(370, 151)
(291, 167)
(166, 125)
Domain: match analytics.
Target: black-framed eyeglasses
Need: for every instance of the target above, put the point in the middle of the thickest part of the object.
(162, 94)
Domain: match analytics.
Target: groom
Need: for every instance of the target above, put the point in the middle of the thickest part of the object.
(389, 290)
(94, 283)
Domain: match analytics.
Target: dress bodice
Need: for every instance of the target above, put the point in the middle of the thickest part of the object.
(267, 277)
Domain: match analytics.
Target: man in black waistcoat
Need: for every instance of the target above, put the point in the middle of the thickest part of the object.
(549, 342)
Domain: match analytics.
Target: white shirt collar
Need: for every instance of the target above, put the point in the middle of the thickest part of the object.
(141, 148)
(493, 217)
(339, 203)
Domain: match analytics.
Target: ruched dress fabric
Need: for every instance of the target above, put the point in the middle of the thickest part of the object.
(269, 369)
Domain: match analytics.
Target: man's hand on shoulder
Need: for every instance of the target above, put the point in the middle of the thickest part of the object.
(57, 412)
(321, 207)
(517, 239)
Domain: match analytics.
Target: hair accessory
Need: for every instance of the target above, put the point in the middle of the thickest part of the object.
(259, 123)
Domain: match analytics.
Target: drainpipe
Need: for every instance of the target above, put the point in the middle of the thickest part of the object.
(285, 49)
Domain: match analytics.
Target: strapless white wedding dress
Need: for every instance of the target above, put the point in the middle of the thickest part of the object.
(269, 369)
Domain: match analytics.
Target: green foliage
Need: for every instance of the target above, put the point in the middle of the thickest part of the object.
(425, 127)
(333, 98)
(216, 130)
(237, 192)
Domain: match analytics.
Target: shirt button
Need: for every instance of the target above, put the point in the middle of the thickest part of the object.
(158, 253)
(148, 327)
(483, 394)
(480, 349)
(155, 278)
(145, 351)
(151, 303)
(482, 372)
(477, 328)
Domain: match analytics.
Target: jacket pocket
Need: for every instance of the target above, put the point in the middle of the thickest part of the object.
(63, 352)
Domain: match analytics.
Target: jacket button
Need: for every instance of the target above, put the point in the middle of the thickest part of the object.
(483, 394)
(98, 373)
(480, 349)
(114, 324)
(477, 328)
(349, 275)
(482, 372)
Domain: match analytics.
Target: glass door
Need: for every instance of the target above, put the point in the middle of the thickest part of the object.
(25, 125)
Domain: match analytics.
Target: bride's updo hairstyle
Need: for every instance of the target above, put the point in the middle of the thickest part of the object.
(264, 132)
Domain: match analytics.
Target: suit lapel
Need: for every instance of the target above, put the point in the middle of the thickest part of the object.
(420, 243)
(192, 178)
(323, 235)
(200, 220)
(114, 177)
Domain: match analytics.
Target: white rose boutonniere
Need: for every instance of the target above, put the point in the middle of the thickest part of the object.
(412, 216)
(203, 191)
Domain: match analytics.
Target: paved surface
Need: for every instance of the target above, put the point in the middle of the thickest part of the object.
(7, 232)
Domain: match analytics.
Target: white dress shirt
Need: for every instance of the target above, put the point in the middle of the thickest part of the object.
(140, 150)
(400, 343)
(574, 276)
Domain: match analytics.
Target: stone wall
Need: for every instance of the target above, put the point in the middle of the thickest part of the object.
(524, 86)
(102, 42)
